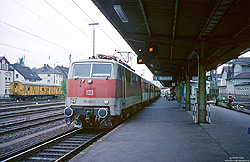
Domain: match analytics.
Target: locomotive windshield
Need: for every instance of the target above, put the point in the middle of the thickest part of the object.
(81, 70)
(92, 70)
(101, 70)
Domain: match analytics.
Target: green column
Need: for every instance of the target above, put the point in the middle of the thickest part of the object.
(202, 87)
(187, 106)
(179, 92)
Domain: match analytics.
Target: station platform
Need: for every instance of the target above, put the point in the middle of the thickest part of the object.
(163, 131)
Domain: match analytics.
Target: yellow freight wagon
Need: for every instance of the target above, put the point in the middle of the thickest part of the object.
(25, 90)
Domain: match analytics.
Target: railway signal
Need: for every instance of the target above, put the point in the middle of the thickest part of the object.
(148, 54)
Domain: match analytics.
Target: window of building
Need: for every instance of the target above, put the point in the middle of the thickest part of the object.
(3, 64)
(0, 65)
(16, 75)
(48, 81)
(48, 75)
(7, 67)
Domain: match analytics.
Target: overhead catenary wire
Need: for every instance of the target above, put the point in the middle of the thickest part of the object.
(38, 37)
(48, 21)
(66, 19)
(98, 26)
(100, 45)
(22, 49)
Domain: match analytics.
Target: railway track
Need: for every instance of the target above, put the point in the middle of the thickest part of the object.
(15, 103)
(29, 111)
(27, 124)
(60, 148)
(48, 150)
(28, 106)
(40, 120)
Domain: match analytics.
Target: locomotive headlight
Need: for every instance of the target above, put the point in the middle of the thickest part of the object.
(106, 102)
(68, 112)
(90, 81)
(73, 101)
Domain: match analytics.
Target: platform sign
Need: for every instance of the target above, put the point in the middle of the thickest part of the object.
(162, 78)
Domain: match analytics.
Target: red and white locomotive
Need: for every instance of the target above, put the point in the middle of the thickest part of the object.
(101, 93)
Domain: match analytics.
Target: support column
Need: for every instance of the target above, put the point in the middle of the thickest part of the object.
(202, 86)
(187, 106)
(178, 92)
(181, 84)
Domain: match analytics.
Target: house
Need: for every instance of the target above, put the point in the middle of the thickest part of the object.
(63, 70)
(6, 77)
(49, 75)
(233, 75)
(24, 74)
(242, 86)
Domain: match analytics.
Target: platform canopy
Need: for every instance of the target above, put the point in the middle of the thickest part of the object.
(181, 29)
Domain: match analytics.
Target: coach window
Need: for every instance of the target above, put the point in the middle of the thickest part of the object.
(101, 70)
(133, 78)
(138, 80)
(42, 89)
(128, 76)
(23, 88)
(28, 88)
(81, 70)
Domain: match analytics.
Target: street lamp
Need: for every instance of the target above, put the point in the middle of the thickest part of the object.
(93, 37)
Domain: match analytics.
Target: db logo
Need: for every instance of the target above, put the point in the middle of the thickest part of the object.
(89, 92)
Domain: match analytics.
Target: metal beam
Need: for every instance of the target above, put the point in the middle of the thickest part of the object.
(177, 42)
(145, 18)
(216, 16)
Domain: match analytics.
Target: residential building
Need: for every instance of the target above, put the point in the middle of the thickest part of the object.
(63, 70)
(235, 76)
(24, 74)
(242, 86)
(6, 77)
(49, 75)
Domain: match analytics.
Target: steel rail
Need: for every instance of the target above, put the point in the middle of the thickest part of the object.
(60, 148)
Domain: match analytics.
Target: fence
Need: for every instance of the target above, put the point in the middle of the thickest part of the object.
(195, 113)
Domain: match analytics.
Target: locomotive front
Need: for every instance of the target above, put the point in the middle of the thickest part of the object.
(91, 94)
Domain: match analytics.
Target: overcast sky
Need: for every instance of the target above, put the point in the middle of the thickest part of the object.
(48, 31)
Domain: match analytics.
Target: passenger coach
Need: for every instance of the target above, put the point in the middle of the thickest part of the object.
(100, 93)
(27, 90)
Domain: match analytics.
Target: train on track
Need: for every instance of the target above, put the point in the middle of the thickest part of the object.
(103, 92)
(27, 90)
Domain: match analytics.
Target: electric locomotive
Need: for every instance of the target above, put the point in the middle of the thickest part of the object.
(101, 93)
